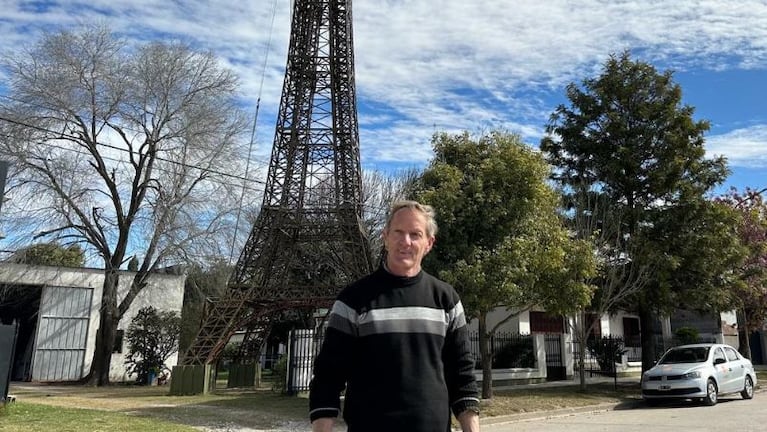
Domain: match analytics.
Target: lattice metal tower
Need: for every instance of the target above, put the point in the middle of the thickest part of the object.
(308, 240)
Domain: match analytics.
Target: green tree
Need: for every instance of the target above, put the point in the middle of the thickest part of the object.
(627, 134)
(501, 242)
(152, 337)
(751, 292)
(121, 148)
(51, 254)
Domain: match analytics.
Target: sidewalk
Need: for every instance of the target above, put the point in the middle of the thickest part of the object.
(551, 413)
(575, 381)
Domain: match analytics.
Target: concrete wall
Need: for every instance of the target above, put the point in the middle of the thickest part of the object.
(520, 323)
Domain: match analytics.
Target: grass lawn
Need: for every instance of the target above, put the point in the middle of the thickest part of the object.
(29, 417)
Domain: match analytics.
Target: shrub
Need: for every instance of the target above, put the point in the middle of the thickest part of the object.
(687, 335)
(280, 375)
(607, 350)
(517, 353)
(152, 337)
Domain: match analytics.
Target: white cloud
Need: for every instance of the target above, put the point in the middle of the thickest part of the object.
(437, 64)
(742, 147)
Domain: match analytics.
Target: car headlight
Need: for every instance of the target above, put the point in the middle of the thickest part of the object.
(691, 375)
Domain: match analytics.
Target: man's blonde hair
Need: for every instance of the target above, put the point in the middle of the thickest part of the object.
(426, 210)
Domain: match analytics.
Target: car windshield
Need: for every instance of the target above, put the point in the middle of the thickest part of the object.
(685, 355)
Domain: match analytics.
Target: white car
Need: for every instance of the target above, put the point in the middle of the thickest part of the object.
(700, 371)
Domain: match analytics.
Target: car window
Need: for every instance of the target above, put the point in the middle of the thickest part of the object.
(685, 355)
(732, 355)
(718, 354)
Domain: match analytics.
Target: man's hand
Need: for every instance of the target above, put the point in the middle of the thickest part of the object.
(469, 421)
(324, 424)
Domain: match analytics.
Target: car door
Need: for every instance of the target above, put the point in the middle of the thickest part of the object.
(721, 370)
(736, 368)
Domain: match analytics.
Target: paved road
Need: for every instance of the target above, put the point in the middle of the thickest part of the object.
(729, 415)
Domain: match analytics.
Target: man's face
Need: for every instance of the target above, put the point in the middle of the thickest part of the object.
(406, 242)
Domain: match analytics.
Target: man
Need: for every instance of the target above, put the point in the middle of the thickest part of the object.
(397, 342)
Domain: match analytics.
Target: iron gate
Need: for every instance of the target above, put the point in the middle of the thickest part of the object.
(303, 347)
(555, 365)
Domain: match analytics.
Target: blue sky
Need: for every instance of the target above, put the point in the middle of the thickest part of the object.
(451, 65)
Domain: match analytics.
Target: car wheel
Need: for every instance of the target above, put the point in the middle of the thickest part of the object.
(748, 388)
(711, 393)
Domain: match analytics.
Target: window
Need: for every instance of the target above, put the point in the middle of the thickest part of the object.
(540, 322)
(118, 346)
(732, 355)
(596, 330)
(631, 333)
(718, 354)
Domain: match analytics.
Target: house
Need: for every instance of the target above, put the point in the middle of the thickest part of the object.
(57, 309)
(554, 342)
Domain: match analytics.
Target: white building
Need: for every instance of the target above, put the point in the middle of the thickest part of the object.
(58, 315)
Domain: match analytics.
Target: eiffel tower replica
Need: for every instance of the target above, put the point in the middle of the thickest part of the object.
(308, 240)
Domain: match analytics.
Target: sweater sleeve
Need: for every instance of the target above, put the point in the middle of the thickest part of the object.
(459, 364)
(330, 366)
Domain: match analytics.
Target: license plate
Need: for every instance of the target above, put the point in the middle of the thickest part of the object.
(665, 387)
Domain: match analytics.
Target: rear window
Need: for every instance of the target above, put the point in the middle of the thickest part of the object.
(685, 355)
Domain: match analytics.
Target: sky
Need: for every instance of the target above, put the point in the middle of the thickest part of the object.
(424, 66)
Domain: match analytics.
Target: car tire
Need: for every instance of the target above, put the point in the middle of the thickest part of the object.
(711, 393)
(748, 388)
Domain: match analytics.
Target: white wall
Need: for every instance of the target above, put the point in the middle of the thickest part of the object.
(517, 324)
(164, 292)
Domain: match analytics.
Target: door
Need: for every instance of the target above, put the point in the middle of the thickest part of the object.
(722, 370)
(736, 368)
(62, 333)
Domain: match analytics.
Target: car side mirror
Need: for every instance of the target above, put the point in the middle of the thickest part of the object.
(719, 361)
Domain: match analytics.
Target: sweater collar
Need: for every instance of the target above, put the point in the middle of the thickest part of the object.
(401, 280)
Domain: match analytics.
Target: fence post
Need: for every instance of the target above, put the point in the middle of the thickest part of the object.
(539, 347)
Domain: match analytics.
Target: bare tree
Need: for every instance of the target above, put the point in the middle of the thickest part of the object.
(618, 276)
(122, 149)
(379, 191)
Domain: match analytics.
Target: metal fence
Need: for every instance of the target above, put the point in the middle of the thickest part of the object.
(303, 347)
(508, 350)
(601, 354)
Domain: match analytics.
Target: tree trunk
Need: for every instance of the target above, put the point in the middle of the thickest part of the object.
(105, 335)
(487, 358)
(648, 343)
(744, 333)
(580, 334)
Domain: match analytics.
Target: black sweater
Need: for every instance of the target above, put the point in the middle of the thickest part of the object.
(401, 348)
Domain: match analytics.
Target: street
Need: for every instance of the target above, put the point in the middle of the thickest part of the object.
(730, 414)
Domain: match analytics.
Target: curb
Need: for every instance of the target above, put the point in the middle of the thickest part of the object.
(560, 412)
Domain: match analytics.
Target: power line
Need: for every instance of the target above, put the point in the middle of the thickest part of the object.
(182, 164)
(253, 132)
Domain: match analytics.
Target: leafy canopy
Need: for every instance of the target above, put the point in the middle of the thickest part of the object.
(500, 240)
